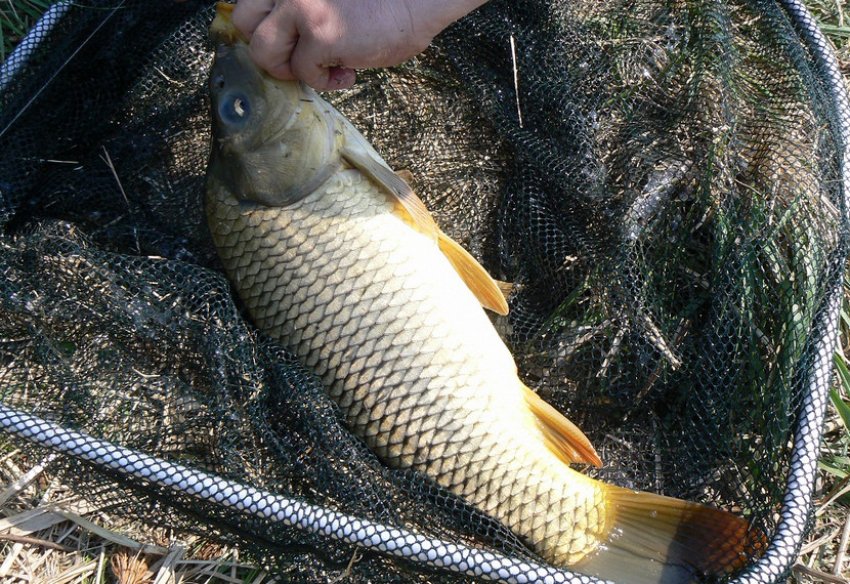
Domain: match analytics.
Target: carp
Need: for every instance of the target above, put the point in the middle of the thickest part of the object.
(335, 257)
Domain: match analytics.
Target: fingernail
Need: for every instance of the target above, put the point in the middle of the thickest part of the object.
(341, 78)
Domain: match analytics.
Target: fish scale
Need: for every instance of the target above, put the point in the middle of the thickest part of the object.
(397, 360)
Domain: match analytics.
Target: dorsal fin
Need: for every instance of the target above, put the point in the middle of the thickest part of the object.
(562, 437)
(359, 154)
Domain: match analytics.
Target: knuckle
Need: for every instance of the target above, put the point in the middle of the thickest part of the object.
(264, 49)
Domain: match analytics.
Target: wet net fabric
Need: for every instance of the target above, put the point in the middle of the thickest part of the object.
(662, 182)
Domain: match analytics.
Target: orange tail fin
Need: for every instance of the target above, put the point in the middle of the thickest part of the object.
(660, 540)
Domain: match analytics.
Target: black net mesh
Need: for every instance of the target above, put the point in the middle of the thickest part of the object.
(661, 180)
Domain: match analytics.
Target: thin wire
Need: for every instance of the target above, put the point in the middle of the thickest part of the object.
(60, 68)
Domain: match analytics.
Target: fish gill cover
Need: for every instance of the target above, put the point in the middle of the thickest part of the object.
(662, 182)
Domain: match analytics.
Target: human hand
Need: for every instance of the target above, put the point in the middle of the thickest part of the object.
(321, 42)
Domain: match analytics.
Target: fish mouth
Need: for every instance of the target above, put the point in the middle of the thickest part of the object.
(222, 30)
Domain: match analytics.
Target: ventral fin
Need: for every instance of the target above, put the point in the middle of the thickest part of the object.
(562, 437)
(507, 288)
(475, 277)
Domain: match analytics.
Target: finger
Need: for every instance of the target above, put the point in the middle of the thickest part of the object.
(273, 43)
(248, 14)
(309, 66)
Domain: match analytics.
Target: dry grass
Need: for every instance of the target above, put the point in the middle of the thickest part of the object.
(50, 535)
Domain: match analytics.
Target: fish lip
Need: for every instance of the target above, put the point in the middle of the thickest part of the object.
(305, 108)
(222, 30)
(304, 91)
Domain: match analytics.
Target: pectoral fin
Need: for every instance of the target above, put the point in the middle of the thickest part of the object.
(405, 175)
(359, 154)
(562, 437)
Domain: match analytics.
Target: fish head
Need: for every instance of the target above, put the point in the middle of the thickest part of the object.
(273, 140)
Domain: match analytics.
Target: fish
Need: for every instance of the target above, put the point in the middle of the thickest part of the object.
(336, 258)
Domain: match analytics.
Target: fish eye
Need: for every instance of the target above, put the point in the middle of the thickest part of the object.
(234, 108)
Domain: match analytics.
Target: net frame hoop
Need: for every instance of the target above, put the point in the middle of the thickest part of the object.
(314, 519)
(20, 56)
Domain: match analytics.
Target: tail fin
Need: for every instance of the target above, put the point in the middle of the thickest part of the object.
(660, 540)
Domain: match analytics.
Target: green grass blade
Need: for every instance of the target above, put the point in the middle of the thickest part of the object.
(843, 371)
(841, 406)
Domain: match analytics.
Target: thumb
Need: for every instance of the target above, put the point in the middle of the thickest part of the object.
(341, 78)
